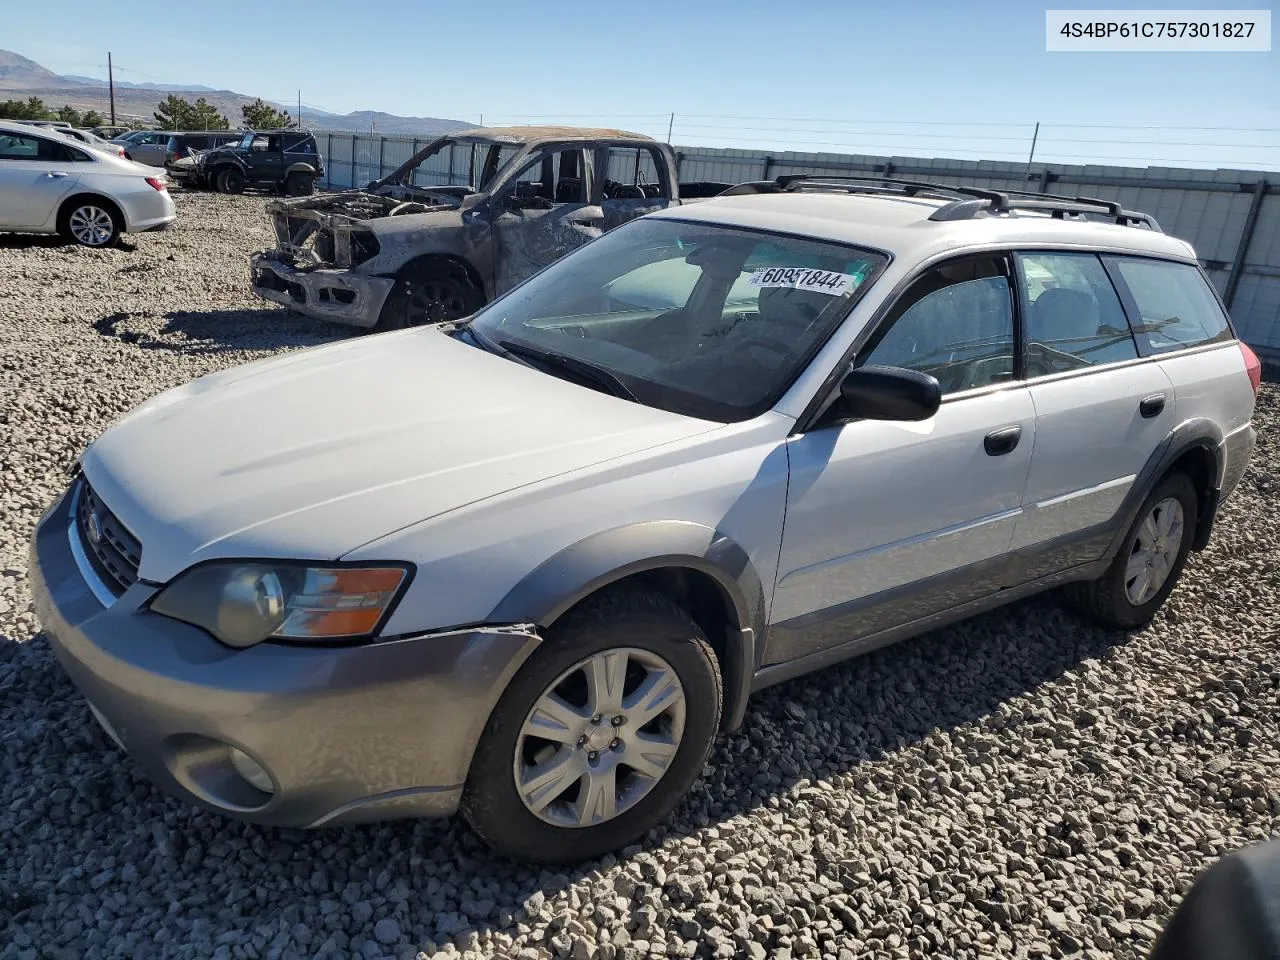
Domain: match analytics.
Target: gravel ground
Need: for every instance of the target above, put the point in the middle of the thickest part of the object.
(1020, 785)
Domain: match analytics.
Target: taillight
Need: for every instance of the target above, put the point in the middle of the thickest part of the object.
(157, 184)
(1252, 366)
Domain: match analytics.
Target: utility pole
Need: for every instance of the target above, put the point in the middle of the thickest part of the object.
(671, 126)
(1034, 137)
(111, 86)
(299, 108)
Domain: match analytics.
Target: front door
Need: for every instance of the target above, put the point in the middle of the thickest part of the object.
(888, 522)
(541, 214)
(32, 181)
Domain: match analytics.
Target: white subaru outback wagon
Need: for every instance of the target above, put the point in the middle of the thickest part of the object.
(528, 565)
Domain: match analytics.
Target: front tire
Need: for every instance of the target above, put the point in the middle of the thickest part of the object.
(1149, 562)
(429, 294)
(229, 180)
(91, 222)
(599, 735)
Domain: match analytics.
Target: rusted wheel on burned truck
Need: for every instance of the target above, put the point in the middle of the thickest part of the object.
(430, 293)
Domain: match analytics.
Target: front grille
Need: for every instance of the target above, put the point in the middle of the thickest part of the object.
(114, 552)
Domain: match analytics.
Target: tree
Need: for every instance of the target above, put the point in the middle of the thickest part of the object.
(263, 116)
(33, 109)
(205, 116)
(175, 113)
(69, 114)
(92, 118)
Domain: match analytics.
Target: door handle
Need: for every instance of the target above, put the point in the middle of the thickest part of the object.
(1151, 406)
(55, 174)
(1002, 441)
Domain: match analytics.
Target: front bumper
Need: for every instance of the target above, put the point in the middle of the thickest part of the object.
(351, 734)
(337, 295)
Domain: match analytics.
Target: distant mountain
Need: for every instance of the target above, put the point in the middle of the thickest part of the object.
(96, 82)
(16, 70)
(136, 102)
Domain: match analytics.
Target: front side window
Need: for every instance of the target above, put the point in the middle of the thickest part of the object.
(14, 146)
(708, 321)
(1176, 306)
(954, 323)
(1073, 315)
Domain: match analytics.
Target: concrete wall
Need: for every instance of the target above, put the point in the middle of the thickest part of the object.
(1232, 217)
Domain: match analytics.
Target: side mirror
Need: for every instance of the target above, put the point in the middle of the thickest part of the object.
(890, 393)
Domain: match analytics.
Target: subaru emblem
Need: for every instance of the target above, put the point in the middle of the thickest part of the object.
(92, 528)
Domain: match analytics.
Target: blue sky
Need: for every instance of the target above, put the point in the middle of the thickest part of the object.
(914, 78)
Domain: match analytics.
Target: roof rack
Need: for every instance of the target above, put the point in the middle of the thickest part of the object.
(966, 203)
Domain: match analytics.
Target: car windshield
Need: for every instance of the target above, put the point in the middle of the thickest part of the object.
(457, 161)
(704, 320)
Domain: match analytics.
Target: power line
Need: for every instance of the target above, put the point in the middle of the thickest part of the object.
(979, 123)
(971, 137)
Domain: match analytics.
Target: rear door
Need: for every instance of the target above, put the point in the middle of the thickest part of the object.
(35, 175)
(542, 213)
(1101, 412)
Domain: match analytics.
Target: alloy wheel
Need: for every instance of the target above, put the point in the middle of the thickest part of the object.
(91, 226)
(1155, 551)
(599, 738)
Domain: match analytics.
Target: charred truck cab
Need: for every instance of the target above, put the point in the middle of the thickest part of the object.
(462, 221)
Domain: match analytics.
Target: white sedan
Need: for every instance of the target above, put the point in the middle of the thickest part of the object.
(51, 184)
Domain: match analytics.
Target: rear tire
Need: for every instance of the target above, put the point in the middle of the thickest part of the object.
(229, 180)
(428, 294)
(1149, 562)
(547, 791)
(299, 184)
(91, 222)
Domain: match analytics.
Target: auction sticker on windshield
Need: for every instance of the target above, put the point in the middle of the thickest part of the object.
(804, 278)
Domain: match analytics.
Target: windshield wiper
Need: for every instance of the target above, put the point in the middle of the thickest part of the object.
(583, 369)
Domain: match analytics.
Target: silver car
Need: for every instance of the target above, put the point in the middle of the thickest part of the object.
(52, 184)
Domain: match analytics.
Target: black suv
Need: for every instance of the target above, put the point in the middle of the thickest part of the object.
(287, 160)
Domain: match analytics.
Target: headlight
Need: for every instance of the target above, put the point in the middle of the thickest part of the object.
(243, 603)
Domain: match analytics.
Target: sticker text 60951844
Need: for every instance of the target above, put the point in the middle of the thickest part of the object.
(803, 278)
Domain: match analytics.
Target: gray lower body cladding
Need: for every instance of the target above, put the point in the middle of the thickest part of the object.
(325, 293)
(347, 734)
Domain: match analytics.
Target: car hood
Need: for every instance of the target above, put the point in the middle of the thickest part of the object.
(315, 453)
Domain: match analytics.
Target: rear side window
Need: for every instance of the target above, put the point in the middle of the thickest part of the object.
(1073, 315)
(1176, 308)
(633, 173)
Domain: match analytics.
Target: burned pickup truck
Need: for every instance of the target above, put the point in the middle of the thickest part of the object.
(462, 221)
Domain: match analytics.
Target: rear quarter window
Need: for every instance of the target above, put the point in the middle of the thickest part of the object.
(1176, 308)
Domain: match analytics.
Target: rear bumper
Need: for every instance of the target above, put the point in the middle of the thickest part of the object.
(347, 734)
(1237, 451)
(149, 211)
(338, 295)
